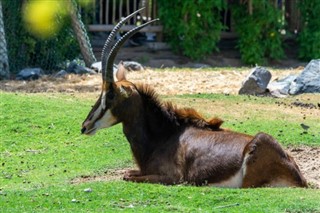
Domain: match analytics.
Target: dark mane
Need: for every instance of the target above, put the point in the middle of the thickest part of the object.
(173, 114)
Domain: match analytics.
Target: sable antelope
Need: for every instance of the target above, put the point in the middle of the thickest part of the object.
(172, 145)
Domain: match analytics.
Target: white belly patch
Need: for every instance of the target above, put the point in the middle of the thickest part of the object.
(234, 181)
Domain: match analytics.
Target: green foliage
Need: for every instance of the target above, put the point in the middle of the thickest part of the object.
(26, 50)
(309, 38)
(192, 27)
(259, 33)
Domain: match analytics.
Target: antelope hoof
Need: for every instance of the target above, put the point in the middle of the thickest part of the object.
(129, 178)
(130, 174)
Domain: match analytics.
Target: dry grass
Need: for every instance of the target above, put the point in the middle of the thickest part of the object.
(238, 108)
(165, 81)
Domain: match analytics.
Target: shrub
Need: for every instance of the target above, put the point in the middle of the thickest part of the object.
(259, 32)
(192, 27)
(309, 38)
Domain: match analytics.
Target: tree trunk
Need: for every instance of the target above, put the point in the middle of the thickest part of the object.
(81, 34)
(4, 62)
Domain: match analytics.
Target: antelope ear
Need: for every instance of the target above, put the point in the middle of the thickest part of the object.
(121, 72)
(126, 91)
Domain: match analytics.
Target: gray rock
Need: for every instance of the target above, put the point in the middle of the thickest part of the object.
(162, 63)
(78, 69)
(280, 88)
(129, 65)
(29, 74)
(96, 66)
(60, 74)
(256, 82)
(308, 81)
(132, 66)
(198, 65)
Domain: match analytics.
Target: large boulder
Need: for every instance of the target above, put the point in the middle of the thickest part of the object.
(256, 82)
(29, 74)
(280, 88)
(308, 81)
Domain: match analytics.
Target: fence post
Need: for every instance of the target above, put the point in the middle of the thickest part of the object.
(4, 62)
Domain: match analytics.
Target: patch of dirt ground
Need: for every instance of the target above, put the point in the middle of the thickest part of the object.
(170, 82)
(165, 82)
(308, 160)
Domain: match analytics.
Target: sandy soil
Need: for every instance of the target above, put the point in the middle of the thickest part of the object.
(308, 160)
(168, 82)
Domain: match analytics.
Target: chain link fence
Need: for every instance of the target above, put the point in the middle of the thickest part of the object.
(26, 50)
(4, 65)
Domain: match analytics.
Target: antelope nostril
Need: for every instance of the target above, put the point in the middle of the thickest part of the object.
(83, 130)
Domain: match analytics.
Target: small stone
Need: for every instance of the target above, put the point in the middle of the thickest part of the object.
(88, 190)
(60, 74)
(30, 74)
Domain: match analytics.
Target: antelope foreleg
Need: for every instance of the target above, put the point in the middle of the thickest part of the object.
(130, 173)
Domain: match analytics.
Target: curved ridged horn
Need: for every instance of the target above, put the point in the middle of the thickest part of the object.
(118, 45)
(107, 45)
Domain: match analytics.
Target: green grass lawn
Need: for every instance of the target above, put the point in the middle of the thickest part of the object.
(42, 151)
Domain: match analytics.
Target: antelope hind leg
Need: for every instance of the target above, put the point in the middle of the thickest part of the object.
(267, 164)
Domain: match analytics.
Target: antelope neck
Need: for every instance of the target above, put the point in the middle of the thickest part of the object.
(145, 129)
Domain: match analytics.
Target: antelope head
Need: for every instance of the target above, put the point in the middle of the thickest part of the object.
(114, 92)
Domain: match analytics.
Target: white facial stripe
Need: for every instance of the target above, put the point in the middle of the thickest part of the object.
(96, 113)
(106, 120)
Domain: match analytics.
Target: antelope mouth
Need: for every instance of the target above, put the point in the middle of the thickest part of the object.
(89, 132)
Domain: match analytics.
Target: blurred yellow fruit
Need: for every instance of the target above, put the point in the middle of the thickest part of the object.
(40, 16)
